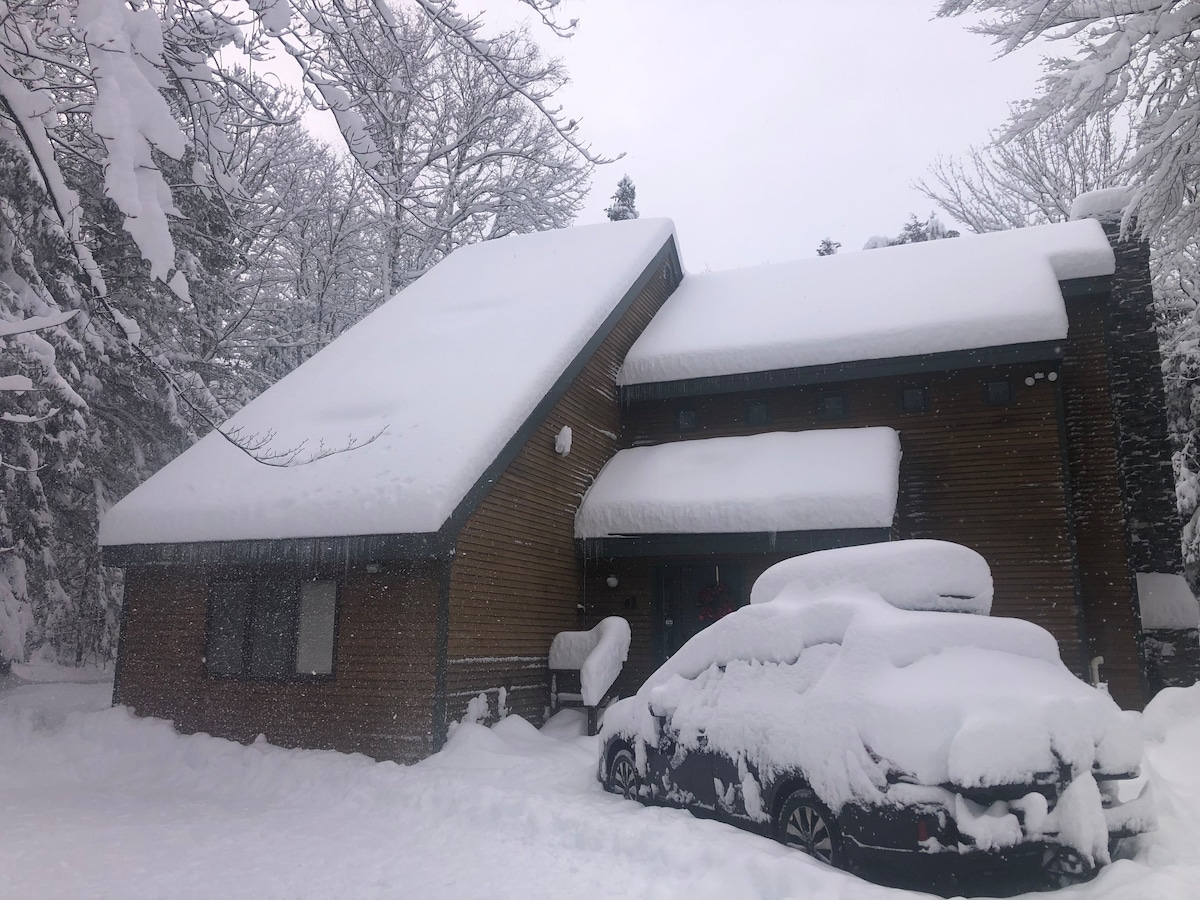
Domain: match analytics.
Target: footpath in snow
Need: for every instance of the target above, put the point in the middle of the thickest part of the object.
(97, 803)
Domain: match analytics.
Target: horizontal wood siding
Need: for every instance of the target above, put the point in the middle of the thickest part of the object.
(989, 477)
(1104, 573)
(379, 701)
(516, 580)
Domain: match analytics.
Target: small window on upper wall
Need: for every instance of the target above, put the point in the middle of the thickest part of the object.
(912, 398)
(997, 392)
(831, 406)
(687, 420)
(757, 413)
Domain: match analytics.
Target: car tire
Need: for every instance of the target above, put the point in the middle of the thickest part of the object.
(806, 823)
(623, 776)
(1064, 866)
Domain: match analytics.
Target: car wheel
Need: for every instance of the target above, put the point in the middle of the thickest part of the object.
(623, 775)
(1064, 866)
(806, 824)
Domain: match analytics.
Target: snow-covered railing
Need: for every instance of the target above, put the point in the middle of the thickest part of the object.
(597, 656)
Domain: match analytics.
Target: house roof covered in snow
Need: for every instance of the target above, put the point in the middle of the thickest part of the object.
(446, 373)
(972, 292)
(831, 479)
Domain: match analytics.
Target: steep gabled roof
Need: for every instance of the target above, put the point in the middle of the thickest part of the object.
(446, 373)
(977, 291)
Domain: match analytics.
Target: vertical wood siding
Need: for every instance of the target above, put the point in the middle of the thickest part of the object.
(1104, 573)
(516, 579)
(989, 477)
(379, 701)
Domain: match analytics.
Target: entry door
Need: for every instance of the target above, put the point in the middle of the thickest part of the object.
(690, 597)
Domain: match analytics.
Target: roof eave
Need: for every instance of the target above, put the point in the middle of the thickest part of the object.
(981, 357)
(789, 542)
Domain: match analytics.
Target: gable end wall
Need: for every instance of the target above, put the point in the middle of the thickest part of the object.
(516, 579)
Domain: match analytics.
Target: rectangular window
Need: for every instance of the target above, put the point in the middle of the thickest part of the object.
(997, 392)
(757, 413)
(271, 629)
(831, 406)
(687, 420)
(912, 399)
(229, 608)
(314, 637)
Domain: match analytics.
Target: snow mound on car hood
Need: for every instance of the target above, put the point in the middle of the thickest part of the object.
(847, 687)
(917, 574)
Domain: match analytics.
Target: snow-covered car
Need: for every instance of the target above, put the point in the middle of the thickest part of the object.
(865, 708)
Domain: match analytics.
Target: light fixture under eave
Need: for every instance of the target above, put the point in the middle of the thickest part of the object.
(612, 581)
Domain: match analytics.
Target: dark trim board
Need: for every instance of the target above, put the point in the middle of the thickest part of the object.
(1039, 351)
(668, 545)
(316, 552)
(1092, 286)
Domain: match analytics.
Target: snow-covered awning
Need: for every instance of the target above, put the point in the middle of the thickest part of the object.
(969, 293)
(823, 480)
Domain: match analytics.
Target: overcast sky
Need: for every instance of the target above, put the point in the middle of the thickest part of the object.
(763, 126)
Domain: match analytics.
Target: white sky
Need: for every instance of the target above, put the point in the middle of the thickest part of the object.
(761, 127)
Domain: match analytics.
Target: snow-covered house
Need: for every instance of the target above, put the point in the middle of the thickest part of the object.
(559, 427)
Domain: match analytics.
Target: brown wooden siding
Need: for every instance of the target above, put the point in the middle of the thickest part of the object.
(989, 477)
(1104, 574)
(516, 580)
(379, 701)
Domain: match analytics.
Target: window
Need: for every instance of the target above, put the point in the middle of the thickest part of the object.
(757, 413)
(912, 398)
(831, 406)
(687, 420)
(997, 392)
(271, 629)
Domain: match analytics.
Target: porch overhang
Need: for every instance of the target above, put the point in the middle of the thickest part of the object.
(789, 492)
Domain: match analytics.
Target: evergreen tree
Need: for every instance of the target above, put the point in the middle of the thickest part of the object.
(915, 231)
(624, 205)
(828, 247)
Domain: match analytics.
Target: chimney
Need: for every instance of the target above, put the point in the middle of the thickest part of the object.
(1152, 524)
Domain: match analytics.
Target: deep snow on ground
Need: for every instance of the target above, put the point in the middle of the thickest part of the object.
(97, 803)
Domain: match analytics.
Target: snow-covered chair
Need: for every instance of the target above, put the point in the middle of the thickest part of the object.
(584, 665)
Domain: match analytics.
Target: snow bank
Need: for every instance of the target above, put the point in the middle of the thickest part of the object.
(445, 373)
(782, 481)
(598, 654)
(918, 574)
(975, 291)
(1166, 601)
(100, 804)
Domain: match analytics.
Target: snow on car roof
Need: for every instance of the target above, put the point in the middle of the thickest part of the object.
(910, 574)
(446, 372)
(960, 294)
(780, 481)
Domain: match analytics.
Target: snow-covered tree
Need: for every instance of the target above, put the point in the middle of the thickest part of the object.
(915, 231)
(461, 156)
(1031, 177)
(1123, 54)
(624, 201)
(828, 247)
(200, 271)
